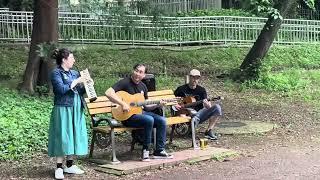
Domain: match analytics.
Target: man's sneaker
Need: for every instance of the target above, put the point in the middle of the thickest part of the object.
(58, 174)
(145, 155)
(162, 155)
(73, 170)
(210, 135)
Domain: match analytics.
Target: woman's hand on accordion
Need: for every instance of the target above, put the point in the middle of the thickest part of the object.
(76, 81)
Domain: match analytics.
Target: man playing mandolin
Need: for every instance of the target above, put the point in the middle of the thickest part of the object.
(205, 111)
(147, 120)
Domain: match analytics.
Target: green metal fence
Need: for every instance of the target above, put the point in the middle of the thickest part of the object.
(146, 30)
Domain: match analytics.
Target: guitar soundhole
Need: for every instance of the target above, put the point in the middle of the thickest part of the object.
(132, 104)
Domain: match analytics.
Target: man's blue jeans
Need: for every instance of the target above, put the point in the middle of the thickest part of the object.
(204, 114)
(148, 121)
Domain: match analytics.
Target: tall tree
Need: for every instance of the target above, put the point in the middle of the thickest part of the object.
(45, 31)
(249, 69)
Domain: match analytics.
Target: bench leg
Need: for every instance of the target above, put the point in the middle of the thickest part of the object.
(92, 143)
(193, 131)
(172, 133)
(114, 157)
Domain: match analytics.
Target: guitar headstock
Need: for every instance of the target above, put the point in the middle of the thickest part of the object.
(217, 98)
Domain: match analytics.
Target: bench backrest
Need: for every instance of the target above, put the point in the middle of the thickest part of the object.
(102, 104)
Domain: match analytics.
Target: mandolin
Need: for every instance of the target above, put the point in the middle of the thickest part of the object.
(136, 102)
(190, 101)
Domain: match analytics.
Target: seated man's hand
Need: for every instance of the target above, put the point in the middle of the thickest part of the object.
(177, 107)
(162, 103)
(125, 107)
(206, 103)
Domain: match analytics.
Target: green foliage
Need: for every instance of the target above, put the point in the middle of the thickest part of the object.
(310, 3)
(287, 57)
(12, 62)
(291, 70)
(168, 82)
(288, 80)
(46, 49)
(23, 124)
(17, 5)
(216, 12)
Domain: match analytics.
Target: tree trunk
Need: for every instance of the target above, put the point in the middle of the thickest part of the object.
(249, 69)
(45, 30)
(252, 62)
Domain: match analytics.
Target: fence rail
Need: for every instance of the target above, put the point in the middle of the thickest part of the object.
(16, 26)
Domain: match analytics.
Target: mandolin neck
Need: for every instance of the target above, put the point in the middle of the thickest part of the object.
(200, 102)
(193, 104)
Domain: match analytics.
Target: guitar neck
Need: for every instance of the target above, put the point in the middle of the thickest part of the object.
(145, 103)
(148, 102)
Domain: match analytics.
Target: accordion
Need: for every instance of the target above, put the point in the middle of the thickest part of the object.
(88, 85)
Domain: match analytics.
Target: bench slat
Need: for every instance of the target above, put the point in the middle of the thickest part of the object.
(160, 93)
(161, 97)
(107, 129)
(170, 121)
(98, 104)
(100, 110)
(99, 99)
(177, 120)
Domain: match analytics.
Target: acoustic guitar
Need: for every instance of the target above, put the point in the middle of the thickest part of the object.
(136, 102)
(190, 102)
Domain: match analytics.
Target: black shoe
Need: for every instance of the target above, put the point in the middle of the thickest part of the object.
(210, 135)
(162, 155)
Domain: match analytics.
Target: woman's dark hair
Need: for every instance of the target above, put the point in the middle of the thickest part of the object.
(139, 65)
(59, 54)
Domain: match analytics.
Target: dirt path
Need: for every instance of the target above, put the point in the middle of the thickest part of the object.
(280, 163)
(265, 157)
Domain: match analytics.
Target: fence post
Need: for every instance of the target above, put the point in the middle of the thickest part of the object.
(28, 37)
(239, 29)
(179, 25)
(224, 30)
(132, 34)
(308, 37)
(112, 30)
(81, 27)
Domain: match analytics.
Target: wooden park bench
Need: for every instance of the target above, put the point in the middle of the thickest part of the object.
(104, 133)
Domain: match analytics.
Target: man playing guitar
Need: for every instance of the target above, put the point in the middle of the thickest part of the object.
(147, 120)
(205, 111)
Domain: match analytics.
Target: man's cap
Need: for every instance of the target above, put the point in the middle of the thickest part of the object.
(195, 72)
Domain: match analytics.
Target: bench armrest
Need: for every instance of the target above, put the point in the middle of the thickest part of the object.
(111, 122)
